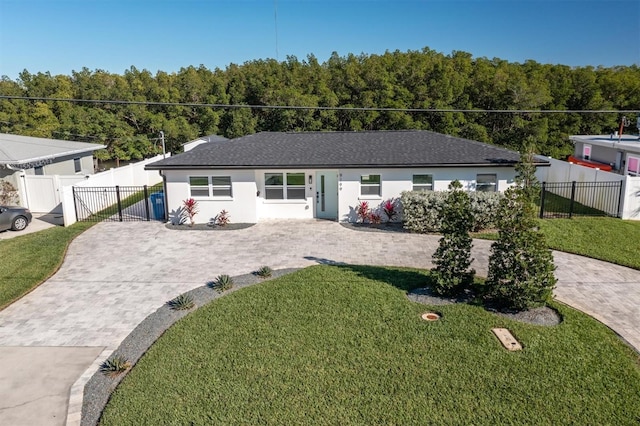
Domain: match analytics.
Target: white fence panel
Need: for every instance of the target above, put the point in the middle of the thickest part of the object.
(562, 171)
(43, 192)
(631, 200)
(131, 175)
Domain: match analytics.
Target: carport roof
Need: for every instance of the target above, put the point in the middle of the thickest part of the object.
(16, 150)
(405, 148)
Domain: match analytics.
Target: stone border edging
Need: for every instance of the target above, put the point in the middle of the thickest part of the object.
(99, 387)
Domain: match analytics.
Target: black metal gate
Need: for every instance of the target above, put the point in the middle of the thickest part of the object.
(568, 199)
(119, 203)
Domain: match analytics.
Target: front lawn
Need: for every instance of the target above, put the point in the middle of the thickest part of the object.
(344, 345)
(28, 260)
(609, 239)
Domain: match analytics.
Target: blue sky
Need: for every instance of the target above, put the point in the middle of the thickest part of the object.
(64, 35)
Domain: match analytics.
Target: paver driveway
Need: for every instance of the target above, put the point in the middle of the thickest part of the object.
(116, 274)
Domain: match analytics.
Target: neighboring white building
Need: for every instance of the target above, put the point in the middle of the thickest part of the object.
(26, 156)
(326, 174)
(622, 153)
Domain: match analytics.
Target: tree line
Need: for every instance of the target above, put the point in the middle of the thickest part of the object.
(423, 79)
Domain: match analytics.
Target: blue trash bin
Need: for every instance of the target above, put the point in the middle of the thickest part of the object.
(157, 204)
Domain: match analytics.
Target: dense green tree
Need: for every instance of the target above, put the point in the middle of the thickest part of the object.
(423, 79)
(453, 255)
(520, 264)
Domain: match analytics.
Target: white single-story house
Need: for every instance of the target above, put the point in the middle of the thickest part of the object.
(22, 156)
(326, 174)
(621, 153)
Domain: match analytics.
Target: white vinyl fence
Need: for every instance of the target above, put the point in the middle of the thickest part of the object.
(562, 171)
(131, 175)
(42, 194)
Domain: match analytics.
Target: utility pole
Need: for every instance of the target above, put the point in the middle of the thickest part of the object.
(164, 155)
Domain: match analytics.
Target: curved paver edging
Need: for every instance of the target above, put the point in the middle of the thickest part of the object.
(207, 227)
(98, 389)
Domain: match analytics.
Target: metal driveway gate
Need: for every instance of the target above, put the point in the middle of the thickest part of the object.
(119, 203)
(568, 199)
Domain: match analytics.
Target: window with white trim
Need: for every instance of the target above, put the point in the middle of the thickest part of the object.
(633, 166)
(199, 186)
(486, 182)
(295, 186)
(423, 182)
(77, 165)
(210, 186)
(586, 152)
(370, 185)
(284, 186)
(221, 186)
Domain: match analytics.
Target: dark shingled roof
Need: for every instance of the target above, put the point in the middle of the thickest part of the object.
(295, 150)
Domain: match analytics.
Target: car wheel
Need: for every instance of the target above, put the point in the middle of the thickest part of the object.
(19, 223)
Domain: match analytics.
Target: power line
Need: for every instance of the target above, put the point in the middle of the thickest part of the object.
(325, 108)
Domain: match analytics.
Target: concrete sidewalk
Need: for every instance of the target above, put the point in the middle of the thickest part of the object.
(116, 274)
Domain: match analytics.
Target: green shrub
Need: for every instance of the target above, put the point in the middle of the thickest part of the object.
(181, 303)
(421, 210)
(264, 272)
(453, 256)
(520, 265)
(223, 283)
(114, 366)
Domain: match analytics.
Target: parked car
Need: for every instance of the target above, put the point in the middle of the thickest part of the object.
(14, 217)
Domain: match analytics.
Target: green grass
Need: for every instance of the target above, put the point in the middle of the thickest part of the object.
(30, 259)
(560, 205)
(610, 239)
(343, 345)
(605, 238)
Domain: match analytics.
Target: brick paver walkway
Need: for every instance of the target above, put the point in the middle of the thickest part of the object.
(116, 274)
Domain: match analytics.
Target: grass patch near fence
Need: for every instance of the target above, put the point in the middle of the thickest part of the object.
(557, 204)
(30, 259)
(609, 239)
(344, 345)
(605, 238)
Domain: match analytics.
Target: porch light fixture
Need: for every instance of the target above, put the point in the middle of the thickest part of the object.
(310, 179)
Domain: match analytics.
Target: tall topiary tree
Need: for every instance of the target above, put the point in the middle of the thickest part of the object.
(453, 256)
(520, 265)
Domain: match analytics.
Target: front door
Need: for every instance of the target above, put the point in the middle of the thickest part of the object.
(327, 195)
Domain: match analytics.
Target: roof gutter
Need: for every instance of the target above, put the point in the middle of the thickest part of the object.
(330, 166)
(45, 159)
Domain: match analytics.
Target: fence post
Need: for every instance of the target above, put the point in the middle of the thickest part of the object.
(75, 207)
(620, 196)
(544, 185)
(146, 202)
(573, 198)
(119, 203)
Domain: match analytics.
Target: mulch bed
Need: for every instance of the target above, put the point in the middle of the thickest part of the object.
(543, 315)
(207, 227)
(370, 227)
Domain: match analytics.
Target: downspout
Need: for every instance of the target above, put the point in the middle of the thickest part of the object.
(164, 193)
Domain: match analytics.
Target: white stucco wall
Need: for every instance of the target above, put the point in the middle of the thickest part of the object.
(248, 203)
(394, 181)
(285, 209)
(241, 206)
